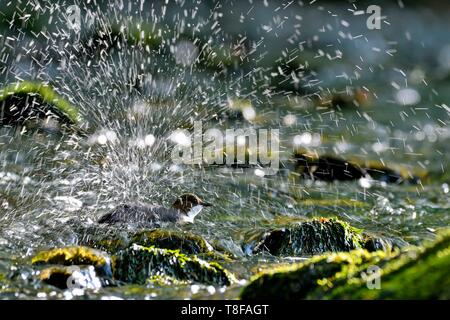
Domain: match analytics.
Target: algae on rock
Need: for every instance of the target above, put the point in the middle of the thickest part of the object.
(76, 255)
(185, 242)
(64, 277)
(410, 273)
(309, 237)
(25, 99)
(137, 264)
(418, 273)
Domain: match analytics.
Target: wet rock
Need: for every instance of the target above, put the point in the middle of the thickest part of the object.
(390, 175)
(165, 280)
(410, 273)
(137, 264)
(373, 243)
(113, 240)
(76, 255)
(71, 277)
(327, 168)
(306, 238)
(417, 273)
(349, 99)
(31, 100)
(298, 280)
(185, 242)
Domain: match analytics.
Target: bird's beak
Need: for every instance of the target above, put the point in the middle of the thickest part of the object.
(206, 204)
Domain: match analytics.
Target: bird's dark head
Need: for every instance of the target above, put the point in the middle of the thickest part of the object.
(189, 205)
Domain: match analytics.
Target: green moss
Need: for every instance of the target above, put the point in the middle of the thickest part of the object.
(296, 281)
(167, 239)
(75, 255)
(418, 273)
(63, 277)
(46, 95)
(308, 237)
(165, 280)
(137, 263)
(413, 273)
(183, 241)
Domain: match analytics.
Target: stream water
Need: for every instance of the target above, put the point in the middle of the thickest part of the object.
(281, 56)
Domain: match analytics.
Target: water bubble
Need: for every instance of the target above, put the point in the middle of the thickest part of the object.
(259, 173)
(180, 137)
(249, 113)
(303, 139)
(195, 288)
(407, 97)
(365, 183)
(289, 120)
(149, 140)
(185, 53)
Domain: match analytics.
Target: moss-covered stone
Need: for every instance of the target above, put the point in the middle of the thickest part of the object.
(185, 242)
(296, 281)
(165, 280)
(418, 273)
(137, 263)
(76, 255)
(307, 238)
(64, 277)
(167, 239)
(408, 274)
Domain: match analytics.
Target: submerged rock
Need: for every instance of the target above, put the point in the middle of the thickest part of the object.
(328, 168)
(138, 263)
(413, 273)
(306, 238)
(76, 255)
(391, 175)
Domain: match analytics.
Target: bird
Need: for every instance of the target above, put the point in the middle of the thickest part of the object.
(185, 208)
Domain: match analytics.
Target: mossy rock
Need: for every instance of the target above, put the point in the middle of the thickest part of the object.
(138, 263)
(418, 273)
(413, 273)
(326, 168)
(330, 168)
(27, 100)
(76, 255)
(185, 242)
(391, 173)
(297, 280)
(165, 280)
(307, 238)
(70, 277)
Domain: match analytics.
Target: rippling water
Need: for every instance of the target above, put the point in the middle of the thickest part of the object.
(48, 179)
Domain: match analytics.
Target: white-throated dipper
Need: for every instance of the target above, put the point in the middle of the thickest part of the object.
(183, 210)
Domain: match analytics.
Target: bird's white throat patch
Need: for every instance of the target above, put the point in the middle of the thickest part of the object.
(191, 214)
